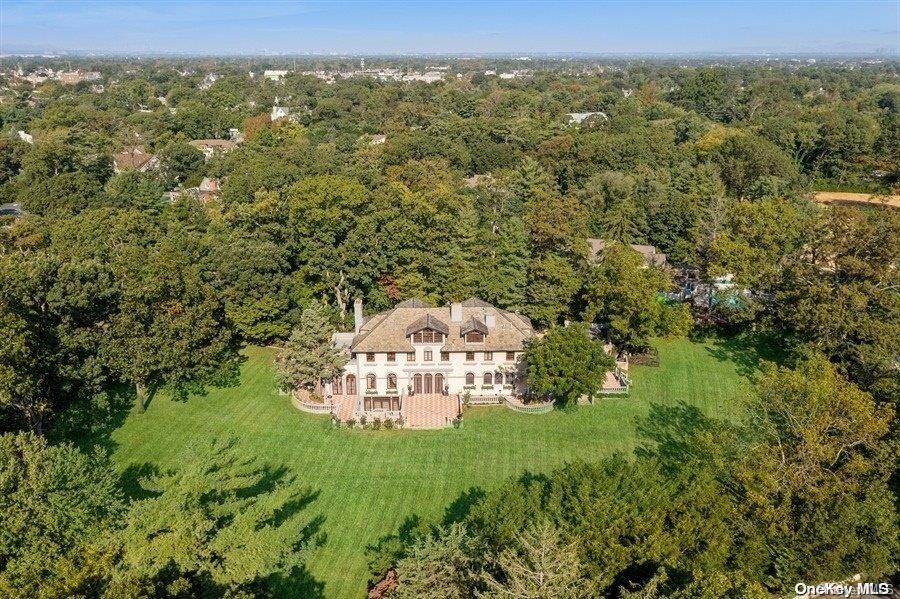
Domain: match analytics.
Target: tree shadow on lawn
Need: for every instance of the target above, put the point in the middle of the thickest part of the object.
(746, 349)
(90, 421)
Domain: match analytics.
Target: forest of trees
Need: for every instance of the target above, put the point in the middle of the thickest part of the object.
(104, 285)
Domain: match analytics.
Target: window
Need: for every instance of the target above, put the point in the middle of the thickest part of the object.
(370, 382)
(470, 378)
(392, 382)
(411, 356)
(510, 356)
(487, 379)
(428, 356)
(445, 356)
(470, 356)
(498, 378)
(488, 356)
(391, 356)
(474, 337)
(370, 357)
(428, 336)
(337, 386)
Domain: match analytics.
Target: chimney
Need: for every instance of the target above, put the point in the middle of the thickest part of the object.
(489, 319)
(456, 312)
(358, 319)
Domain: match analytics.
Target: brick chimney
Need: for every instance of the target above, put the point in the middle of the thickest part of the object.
(489, 319)
(358, 318)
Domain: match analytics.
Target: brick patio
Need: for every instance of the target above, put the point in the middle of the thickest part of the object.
(430, 410)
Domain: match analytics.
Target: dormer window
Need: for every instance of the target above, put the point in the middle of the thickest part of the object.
(427, 329)
(473, 330)
(475, 337)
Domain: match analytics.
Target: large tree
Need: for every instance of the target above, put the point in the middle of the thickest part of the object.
(309, 356)
(169, 327)
(54, 500)
(222, 522)
(566, 364)
(625, 296)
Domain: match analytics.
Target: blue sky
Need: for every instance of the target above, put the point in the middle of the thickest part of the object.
(450, 27)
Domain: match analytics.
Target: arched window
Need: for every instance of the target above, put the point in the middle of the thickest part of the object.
(439, 383)
(351, 384)
(392, 382)
(498, 378)
(429, 384)
(487, 379)
(417, 383)
(370, 382)
(337, 386)
(470, 378)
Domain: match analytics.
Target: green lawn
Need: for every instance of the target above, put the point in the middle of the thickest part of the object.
(369, 482)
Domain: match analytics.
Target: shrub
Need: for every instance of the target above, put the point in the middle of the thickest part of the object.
(363, 421)
(400, 422)
(351, 422)
(388, 423)
(376, 423)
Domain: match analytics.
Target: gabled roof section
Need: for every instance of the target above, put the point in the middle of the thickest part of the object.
(473, 324)
(427, 322)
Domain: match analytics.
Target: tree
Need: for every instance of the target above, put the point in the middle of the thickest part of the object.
(552, 286)
(132, 189)
(504, 272)
(178, 162)
(566, 364)
(439, 566)
(220, 523)
(309, 356)
(625, 297)
(169, 327)
(54, 500)
(543, 567)
(705, 91)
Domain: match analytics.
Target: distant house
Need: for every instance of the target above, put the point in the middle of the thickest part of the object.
(208, 81)
(26, 137)
(377, 140)
(476, 180)
(134, 159)
(208, 190)
(211, 147)
(235, 135)
(14, 210)
(580, 117)
(274, 75)
(77, 76)
(279, 112)
(648, 252)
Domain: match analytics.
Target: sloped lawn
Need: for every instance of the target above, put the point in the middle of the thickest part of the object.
(369, 482)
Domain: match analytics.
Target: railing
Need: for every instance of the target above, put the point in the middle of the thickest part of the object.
(312, 407)
(624, 384)
(537, 408)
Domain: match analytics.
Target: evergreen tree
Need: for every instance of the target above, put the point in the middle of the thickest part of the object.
(309, 356)
(504, 277)
(221, 522)
(439, 566)
(542, 567)
(528, 180)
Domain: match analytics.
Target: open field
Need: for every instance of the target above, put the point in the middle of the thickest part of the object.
(841, 197)
(369, 482)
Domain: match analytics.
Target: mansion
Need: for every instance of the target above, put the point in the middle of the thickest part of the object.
(416, 353)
